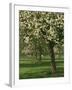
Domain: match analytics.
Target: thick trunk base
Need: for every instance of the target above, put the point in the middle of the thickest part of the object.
(53, 63)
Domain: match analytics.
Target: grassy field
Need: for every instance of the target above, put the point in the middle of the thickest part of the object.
(31, 68)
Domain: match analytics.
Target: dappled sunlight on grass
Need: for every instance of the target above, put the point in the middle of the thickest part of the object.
(34, 69)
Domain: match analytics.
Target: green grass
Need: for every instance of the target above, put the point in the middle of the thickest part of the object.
(31, 68)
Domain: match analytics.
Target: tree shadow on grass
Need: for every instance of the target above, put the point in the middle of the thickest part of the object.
(35, 64)
(42, 74)
(46, 63)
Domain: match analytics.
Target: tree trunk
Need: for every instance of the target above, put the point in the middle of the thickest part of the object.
(36, 55)
(36, 51)
(40, 53)
(40, 56)
(52, 54)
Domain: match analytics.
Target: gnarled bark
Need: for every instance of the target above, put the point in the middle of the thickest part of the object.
(52, 54)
